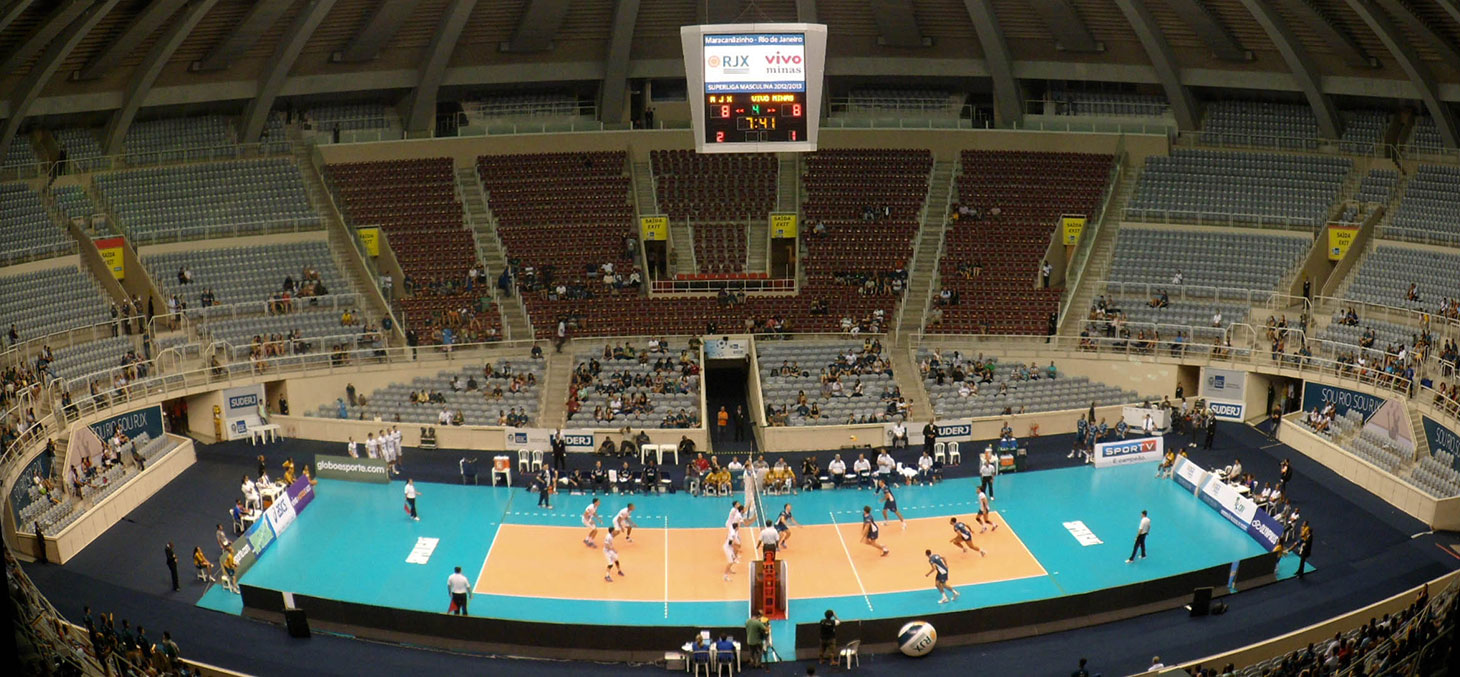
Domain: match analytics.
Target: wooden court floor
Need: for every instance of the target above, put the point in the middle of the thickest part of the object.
(687, 565)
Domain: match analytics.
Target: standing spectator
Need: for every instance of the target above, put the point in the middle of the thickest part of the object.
(170, 652)
(350, 394)
(1211, 430)
(1044, 271)
(1285, 473)
(560, 450)
(412, 340)
(1305, 547)
(828, 638)
(460, 590)
(757, 628)
(930, 436)
(411, 495)
(1141, 533)
(741, 423)
(1277, 418)
(1307, 289)
(222, 538)
(172, 566)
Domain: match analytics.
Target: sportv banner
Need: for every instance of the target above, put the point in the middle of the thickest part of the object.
(1441, 438)
(1125, 452)
(241, 410)
(1223, 384)
(538, 438)
(351, 469)
(147, 420)
(1343, 399)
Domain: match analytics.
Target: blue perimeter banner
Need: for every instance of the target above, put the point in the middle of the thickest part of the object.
(1343, 399)
(148, 420)
(1441, 438)
(1234, 507)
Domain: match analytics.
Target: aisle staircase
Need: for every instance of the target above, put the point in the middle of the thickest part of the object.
(515, 323)
(927, 250)
(555, 382)
(1102, 252)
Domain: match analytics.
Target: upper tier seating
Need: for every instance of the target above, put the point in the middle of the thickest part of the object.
(1426, 137)
(244, 274)
(1436, 475)
(1014, 388)
(1030, 192)
(170, 139)
(483, 406)
(1378, 185)
(1193, 185)
(1430, 209)
(720, 247)
(75, 203)
(82, 148)
(187, 202)
(1362, 129)
(20, 153)
(714, 188)
(1254, 123)
(1118, 104)
(415, 203)
(645, 388)
(72, 299)
(26, 229)
(1384, 276)
(844, 382)
(93, 357)
(350, 116)
(917, 102)
(524, 105)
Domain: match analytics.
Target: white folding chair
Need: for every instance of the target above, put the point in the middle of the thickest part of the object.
(940, 451)
(669, 450)
(851, 652)
(954, 456)
(612, 480)
(645, 450)
(524, 461)
(537, 459)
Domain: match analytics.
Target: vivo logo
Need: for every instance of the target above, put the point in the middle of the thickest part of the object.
(778, 60)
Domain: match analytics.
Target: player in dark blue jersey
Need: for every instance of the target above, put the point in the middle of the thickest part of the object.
(869, 530)
(784, 522)
(889, 502)
(963, 537)
(940, 566)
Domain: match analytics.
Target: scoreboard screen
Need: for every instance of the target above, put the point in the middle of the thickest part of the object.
(755, 117)
(759, 86)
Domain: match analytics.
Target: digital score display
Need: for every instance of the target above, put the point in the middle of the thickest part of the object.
(755, 117)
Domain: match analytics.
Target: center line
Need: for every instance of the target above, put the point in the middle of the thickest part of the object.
(848, 552)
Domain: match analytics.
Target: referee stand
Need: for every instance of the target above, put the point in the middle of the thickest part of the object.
(768, 599)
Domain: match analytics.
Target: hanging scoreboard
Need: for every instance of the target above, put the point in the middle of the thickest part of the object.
(756, 88)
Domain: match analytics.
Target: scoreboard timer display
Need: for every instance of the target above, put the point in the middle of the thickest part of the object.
(755, 117)
(756, 87)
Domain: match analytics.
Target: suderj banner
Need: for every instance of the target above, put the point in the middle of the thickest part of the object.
(1227, 411)
(1441, 438)
(576, 439)
(146, 420)
(241, 408)
(1343, 399)
(351, 469)
(1125, 452)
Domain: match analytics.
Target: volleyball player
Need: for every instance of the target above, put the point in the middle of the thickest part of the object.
(963, 537)
(372, 447)
(590, 520)
(869, 530)
(736, 516)
(610, 554)
(783, 525)
(395, 447)
(624, 522)
(732, 549)
(353, 448)
(889, 502)
(940, 567)
(983, 513)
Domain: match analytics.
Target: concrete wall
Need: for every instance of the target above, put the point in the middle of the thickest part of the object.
(483, 438)
(1391, 489)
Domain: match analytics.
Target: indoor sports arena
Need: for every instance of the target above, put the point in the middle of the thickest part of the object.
(609, 337)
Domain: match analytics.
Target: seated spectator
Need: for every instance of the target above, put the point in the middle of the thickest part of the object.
(838, 470)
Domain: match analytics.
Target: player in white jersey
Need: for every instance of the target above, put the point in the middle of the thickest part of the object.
(983, 513)
(590, 520)
(732, 550)
(736, 516)
(353, 448)
(395, 447)
(611, 555)
(624, 522)
(372, 446)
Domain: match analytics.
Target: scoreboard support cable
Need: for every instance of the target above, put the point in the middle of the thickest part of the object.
(755, 88)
